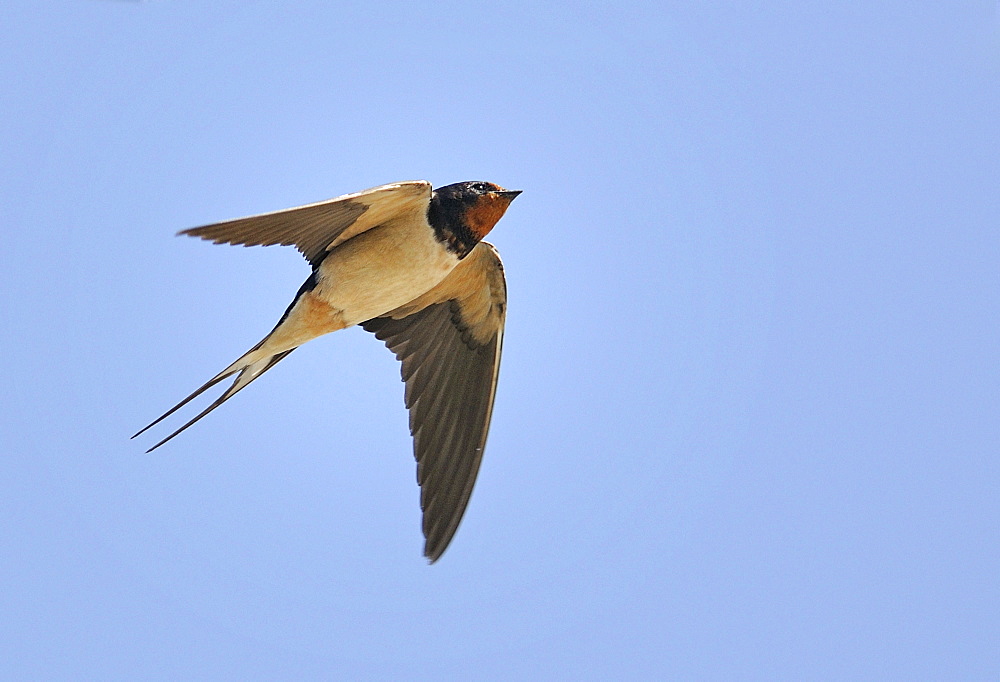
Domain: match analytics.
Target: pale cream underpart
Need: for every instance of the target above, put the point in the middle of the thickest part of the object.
(364, 277)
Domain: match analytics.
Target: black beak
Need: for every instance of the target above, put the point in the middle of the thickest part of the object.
(509, 194)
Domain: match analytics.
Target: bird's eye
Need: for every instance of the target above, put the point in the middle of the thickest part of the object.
(480, 187)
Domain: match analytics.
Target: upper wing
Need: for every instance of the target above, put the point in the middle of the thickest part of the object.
(449, 343)
(314, 229)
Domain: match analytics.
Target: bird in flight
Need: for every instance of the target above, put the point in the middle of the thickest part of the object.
(408, 264)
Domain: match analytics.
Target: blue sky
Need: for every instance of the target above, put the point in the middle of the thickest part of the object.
(746, 425)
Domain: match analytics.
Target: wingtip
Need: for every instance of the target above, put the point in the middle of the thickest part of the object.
(194, 232)
(433, 553)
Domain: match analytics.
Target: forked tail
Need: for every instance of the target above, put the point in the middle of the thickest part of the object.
(304, 319)
(248, 371)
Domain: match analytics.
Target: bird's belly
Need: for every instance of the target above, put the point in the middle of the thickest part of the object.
(382, 269)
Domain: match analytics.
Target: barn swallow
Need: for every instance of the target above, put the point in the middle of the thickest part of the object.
(408, 264)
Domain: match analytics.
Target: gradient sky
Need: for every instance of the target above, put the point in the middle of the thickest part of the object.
(746, 425)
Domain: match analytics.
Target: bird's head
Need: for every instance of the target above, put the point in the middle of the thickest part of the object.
(475, 205)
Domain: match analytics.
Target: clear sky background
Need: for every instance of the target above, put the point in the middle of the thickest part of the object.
(746, 425)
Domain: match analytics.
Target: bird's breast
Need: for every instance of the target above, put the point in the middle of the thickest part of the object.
(382, 269)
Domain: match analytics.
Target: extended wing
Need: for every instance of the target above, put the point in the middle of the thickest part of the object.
(448, 341)
(314, 229)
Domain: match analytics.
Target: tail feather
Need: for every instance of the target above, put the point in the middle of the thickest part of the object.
(247, 373)
(295, 327)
